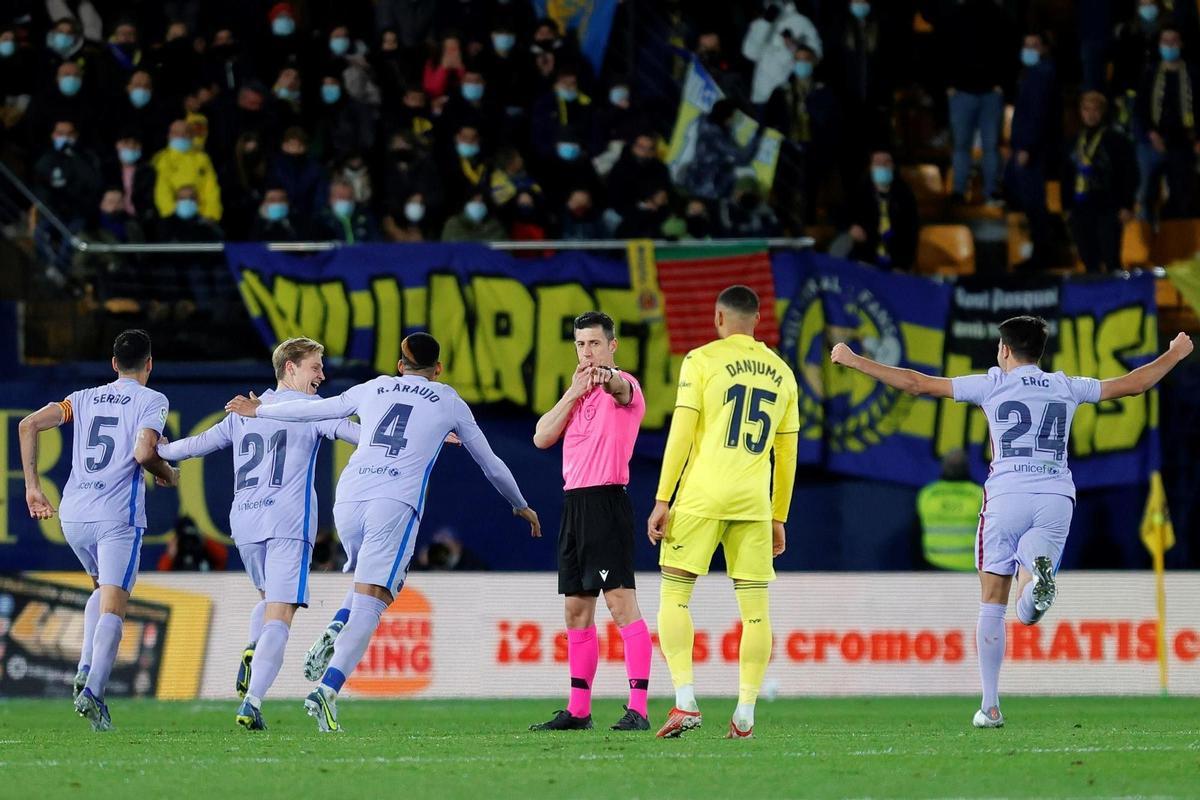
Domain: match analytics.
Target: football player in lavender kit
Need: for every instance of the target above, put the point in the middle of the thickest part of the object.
(103, 510)
(1029, 495)
(598, 419)
(274, 511)
(381, 492)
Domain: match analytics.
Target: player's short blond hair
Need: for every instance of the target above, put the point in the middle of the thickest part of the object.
(294, 350)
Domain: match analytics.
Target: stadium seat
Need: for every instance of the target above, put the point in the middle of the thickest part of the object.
(1175, 240)
(1054, 197)
(946, 250)
(1165, 293)
(927, 184)
(1135, 244)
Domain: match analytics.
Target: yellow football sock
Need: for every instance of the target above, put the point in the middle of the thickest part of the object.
(755, 651)
(675, 631)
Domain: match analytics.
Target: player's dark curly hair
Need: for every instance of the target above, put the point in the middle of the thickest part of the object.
(1025, 336)
(420, 351)
(131, 349)
(590, 319)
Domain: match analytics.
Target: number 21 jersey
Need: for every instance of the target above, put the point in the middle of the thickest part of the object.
(1029, 415)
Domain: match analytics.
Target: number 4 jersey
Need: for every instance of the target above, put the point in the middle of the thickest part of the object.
(745, 395)
(1029, 416)
(273, 465)
(106, 482)
(405, 420)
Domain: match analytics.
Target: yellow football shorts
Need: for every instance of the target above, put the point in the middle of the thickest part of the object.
(691, 541)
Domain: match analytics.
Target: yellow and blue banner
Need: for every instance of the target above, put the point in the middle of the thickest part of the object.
(591, 20)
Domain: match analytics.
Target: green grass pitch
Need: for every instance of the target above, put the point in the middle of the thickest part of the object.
(877, 748)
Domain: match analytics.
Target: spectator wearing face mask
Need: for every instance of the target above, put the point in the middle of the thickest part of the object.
(282, 44)
(122, 54)
(528, 221)
(18, 76)
(805, 110)
(276, 221)
(564, 107)
(137, 108)
(181, 164)
(409, 170)
(286, 103)
(226, 64)
(113, 225)
(465, 170)
(769, 43)
(618, 119)
(65, 42)
(1036, 138)
(342, 124)
(1134, 51)
(721, 69)
(412, 223)
(504, 74)
(345, 57)
(570, 169)
(299, 175)
(883, 218)
(128, 168)
(699, 226)
(474, 223)
(1165, 126)
(469, 107)
(69, 98)
(344, 220)
(183, 221)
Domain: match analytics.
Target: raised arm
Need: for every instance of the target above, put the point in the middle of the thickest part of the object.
(906, 380)
(1146, 377)
(48, 416)
(215, 438)
(343, 429)
(552, 424)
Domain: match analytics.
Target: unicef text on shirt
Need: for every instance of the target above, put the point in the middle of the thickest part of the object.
(1037, 469)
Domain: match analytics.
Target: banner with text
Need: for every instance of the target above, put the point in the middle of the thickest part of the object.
(502, 635)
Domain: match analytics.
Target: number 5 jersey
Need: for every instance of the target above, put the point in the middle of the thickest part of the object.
(1029, 416)
(106, 482)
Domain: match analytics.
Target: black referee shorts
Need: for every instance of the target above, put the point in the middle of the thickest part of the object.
(595, 541)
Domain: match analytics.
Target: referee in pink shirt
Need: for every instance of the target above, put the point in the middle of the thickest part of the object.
(598, 419)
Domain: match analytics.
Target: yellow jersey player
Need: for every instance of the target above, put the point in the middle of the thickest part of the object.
(736, 403)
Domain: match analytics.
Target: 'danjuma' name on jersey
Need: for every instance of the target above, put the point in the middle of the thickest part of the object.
(750, 366)
(424, 391)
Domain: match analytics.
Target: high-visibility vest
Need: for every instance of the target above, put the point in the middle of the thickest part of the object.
(949, 512)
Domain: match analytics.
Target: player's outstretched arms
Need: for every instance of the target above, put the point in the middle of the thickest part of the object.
(552, 424)
(906, 380)
(1146, 377)
(215, 438)
(145, 453)
(530, 516)
(49, 416)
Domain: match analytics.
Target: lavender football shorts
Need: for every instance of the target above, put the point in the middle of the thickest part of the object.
(279, 569)
(1014, 529)
(379, 537)
(109, 551)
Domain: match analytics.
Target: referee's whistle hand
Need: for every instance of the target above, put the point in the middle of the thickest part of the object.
(656, 526)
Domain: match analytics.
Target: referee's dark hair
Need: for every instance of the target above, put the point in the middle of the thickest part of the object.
(131, 350)
(1026, 337)
(739, 299)
(420, 352)
(591, 319)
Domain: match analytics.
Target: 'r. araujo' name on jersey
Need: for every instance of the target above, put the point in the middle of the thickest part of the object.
(405, 420)
(1029, 415)
(273, 466)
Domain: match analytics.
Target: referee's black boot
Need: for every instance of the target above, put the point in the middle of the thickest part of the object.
(563, 721)
(632, 721)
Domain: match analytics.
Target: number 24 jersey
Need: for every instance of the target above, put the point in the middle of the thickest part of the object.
(1029, 415)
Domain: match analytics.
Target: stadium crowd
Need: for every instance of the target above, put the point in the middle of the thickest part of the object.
(475, 120)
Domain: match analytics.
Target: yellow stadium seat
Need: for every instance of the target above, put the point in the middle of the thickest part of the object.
(1054, 197)
(945, 250)
(1135, 244)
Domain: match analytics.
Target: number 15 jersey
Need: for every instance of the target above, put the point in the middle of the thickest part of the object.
(746, 395)
(1029, 415)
